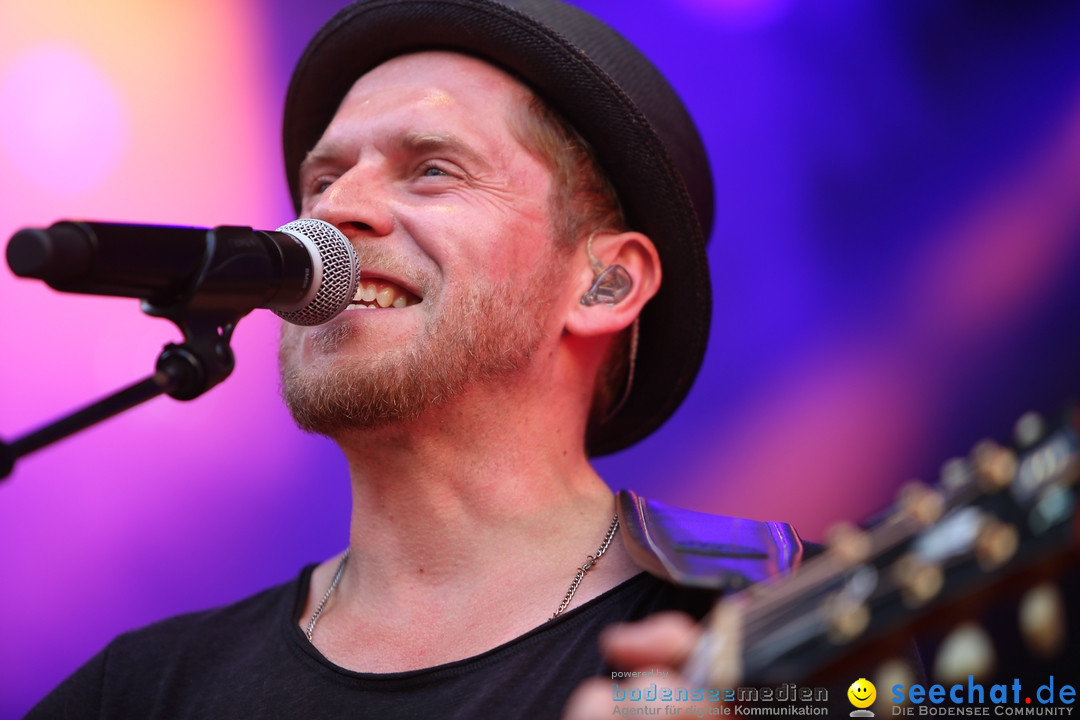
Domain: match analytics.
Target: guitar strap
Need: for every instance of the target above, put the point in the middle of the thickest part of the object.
(702, 550)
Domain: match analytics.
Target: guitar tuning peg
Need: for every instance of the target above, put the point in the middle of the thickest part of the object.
(919, 580)
(921, 503)
(955, 473)
(847, 619)
(1042, 620)
(967, 650)
(848, 543)
(995, 543)
(890, 674)
(995, 466)
(1029, 430)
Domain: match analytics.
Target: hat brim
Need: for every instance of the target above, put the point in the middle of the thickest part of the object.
(612, 95)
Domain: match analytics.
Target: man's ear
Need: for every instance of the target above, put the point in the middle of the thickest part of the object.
(619, 273)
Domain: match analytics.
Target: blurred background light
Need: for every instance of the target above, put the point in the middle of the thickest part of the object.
(898, 229)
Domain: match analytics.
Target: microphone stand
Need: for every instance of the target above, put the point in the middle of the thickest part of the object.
(206, 314)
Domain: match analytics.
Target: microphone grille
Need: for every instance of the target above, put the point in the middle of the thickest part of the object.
(337, 271)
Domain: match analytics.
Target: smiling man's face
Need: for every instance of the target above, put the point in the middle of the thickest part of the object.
(451, 219)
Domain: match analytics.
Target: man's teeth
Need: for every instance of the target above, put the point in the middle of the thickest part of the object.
(385, 297)
(371, 295)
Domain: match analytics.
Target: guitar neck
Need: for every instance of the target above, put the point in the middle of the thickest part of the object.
(1001, 519)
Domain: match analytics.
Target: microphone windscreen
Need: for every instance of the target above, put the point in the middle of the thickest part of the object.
(335, 267)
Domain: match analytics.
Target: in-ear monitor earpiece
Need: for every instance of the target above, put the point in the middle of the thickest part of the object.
(611, 284)
(609, 287)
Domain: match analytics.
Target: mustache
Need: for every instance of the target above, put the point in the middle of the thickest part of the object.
(376, 258)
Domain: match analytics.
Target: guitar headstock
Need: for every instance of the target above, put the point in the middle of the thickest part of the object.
(1001, 522)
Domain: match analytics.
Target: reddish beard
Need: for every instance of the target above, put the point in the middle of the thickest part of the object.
(487, 336)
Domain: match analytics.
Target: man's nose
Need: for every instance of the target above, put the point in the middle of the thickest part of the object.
(355, 204)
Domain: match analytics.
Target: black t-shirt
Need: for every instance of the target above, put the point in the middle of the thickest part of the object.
(251, 660)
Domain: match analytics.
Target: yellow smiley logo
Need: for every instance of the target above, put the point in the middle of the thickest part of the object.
(862, 693)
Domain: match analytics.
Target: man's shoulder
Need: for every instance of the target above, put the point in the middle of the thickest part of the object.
(212, 650)
(217, 625)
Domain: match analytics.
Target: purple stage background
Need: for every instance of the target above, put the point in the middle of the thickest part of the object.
(898, 228)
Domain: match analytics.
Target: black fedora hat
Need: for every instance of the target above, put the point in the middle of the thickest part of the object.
(618, 101)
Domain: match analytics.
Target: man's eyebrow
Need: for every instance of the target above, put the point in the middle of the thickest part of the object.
(420, 142)
(409, 142)
(322, 153)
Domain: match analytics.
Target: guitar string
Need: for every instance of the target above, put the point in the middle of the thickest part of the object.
(775, 603)
(772, 605)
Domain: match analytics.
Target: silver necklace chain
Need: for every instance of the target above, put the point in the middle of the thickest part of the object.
(587, 566)
(329, 592)
(590, 561)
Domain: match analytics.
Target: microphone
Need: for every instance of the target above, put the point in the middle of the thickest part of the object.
(306, 271)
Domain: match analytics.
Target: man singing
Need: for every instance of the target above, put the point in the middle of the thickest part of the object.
(530, 204)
